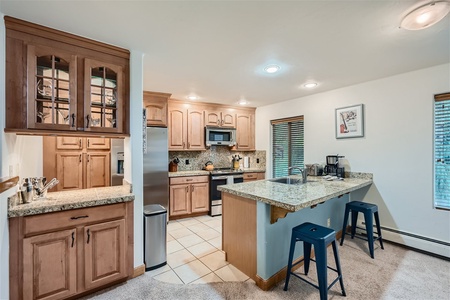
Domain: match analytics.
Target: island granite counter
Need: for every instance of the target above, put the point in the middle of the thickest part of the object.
(258, 217)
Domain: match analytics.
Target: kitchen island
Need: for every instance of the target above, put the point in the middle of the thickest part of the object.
(258, 217)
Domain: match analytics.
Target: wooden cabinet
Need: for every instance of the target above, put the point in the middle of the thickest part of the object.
(220, 118)
(50, 265)
(62, 254)
(189, 195)
(186, 127)
(72, 84)
(104, 253)
(155, 105)
(103, 96)
(245, 131)
(51, 88)
(77, 162)
(253, 176)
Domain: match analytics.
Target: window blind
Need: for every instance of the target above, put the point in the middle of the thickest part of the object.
(287, 145)
(442, 151)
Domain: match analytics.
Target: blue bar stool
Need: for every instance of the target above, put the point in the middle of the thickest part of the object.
(320, 237)
(369, 210)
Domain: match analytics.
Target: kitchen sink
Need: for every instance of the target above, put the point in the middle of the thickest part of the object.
(287, 180)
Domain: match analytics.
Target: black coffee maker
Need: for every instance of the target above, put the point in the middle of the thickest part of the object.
(332, 167)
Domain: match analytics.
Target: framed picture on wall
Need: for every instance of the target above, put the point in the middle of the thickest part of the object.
(350, 121)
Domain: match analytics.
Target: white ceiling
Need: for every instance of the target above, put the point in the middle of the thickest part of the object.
(218, 49)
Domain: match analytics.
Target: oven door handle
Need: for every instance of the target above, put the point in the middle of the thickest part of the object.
(226, 177)
(219, 177)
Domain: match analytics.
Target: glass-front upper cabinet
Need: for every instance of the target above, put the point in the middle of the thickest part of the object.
(103, 97)
(51, 89)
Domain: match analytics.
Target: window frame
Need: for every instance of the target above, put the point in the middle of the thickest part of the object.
(441, 205)
(282, 121)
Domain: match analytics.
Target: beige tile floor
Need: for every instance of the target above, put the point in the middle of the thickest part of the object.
(194, 253)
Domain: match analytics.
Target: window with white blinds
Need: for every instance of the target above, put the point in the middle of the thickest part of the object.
(287, 145)
(442, 151)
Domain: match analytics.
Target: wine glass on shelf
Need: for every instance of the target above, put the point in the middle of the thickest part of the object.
(65, 118)
(42, 115)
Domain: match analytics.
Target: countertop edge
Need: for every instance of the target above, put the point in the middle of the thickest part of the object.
(69, 200)
(298, 207)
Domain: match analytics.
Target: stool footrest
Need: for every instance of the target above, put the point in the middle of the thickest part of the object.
(358, 236)
(314, 285)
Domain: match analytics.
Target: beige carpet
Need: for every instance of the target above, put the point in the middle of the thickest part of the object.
(395, 273)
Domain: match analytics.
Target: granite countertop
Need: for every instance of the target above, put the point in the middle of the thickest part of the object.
(203, 172)
(67, 200)
(295, 197)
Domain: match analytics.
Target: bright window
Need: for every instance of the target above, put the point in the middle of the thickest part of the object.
(442, 151)
(287, 145)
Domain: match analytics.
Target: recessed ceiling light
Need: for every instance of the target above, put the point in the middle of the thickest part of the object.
(310, 85)
(192, 97)
(426, 15)
(272, 69)
(242, 102)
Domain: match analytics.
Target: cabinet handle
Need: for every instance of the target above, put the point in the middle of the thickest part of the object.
(221, 122)
(88, 143)
(80, 157)
(88, 157)
(73, 238)
(73, 120)
(79, 142)
(88, 118)
(88, 236)
(79, 217)
(189, 179)
(192, 188)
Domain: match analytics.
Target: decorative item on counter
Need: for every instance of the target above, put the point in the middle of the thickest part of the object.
(173, 165)
(209, 166)
(235, 162)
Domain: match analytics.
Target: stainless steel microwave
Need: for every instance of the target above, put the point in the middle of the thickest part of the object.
(220, 136)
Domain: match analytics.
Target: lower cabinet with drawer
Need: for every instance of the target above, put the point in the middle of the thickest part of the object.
(189, 195)
(64, 254)
(254, 176)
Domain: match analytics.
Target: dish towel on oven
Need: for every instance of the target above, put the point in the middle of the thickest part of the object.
(230, 180)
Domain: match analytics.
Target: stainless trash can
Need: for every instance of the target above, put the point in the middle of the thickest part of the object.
(155, 236)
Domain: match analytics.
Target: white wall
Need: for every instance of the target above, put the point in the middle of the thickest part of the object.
(397, 147)
(133, 165)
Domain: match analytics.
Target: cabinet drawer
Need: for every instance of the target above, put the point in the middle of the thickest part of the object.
(250, 176)
(190, 179)
(71, 218)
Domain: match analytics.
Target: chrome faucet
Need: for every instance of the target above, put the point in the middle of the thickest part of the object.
(302, 171)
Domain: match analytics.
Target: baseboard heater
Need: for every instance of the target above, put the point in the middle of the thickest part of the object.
(416, 236)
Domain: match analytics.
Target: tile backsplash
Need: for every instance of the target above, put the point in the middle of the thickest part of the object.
(220, 156)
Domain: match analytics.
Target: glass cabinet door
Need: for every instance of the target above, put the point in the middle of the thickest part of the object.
(51, 89)
(103, 98)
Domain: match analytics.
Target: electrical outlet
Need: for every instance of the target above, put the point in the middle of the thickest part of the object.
(257, 160)
(328, 222)
(187, 161)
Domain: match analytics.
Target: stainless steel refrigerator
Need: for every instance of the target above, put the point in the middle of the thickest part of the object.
(156, 160)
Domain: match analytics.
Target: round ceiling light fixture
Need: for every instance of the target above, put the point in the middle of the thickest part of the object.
(242, 102)
(426, 15)
(310, 85)
(272, 69)
(192, 97)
